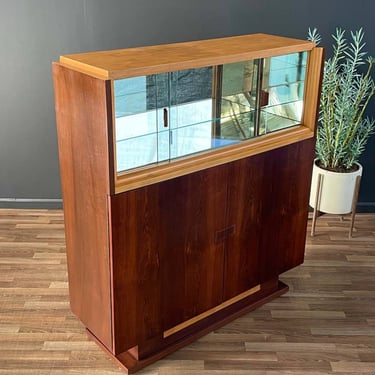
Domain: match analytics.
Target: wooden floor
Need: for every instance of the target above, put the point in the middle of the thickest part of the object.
(324, 325)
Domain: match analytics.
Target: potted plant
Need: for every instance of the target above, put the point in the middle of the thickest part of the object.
(343, 129)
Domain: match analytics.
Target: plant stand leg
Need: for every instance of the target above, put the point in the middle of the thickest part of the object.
(354, 204)
(317, 199)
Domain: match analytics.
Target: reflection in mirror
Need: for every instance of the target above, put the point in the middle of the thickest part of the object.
(238, 98)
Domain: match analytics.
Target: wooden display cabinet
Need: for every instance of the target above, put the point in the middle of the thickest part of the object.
(185, 174)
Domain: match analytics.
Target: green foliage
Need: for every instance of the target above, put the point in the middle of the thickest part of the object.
(347, 88)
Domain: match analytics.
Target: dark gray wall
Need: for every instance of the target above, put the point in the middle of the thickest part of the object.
(34, 33)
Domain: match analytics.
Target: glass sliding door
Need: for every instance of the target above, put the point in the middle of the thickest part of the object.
(237, 96)
(259, 96)
(285, 88)
(190, 111)
(142, 137)
(162, 117)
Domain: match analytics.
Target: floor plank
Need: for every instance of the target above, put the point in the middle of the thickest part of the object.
(325, 324)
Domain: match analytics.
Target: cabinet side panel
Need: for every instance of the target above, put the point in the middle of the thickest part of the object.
(82, 117)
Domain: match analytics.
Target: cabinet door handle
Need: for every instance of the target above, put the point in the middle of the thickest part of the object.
(165, 115)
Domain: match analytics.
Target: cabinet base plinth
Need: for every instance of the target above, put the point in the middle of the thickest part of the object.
(168, 346)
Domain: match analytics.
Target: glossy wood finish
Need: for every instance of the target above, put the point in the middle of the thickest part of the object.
(285, 208)
(159, 256)
(246, 191)
(82, 112)
(167, 265)
(138, 61)
(323, 325)
(185, 246)
(212, 311)
(192, 254)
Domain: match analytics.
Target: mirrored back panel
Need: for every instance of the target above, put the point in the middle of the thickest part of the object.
(162, 117)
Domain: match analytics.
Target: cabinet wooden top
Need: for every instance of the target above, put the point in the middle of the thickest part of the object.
(130, 62)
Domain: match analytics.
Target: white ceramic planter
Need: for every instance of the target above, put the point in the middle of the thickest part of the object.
(337, 190)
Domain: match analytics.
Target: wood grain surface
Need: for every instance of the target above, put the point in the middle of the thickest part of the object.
(83, 113)
(325, 324)
(130, 62)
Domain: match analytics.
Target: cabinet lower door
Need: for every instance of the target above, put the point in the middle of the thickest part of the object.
(193, 213)
(267, 216)
(284, 213)
(167, 262)
(245, 191)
